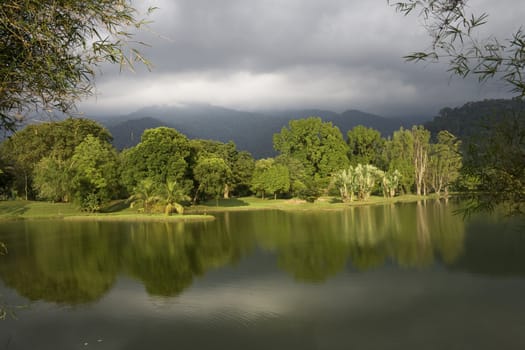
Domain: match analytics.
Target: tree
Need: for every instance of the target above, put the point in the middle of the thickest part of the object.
(455, 36)
(445, 162)
(172, 194)
(270, 177)
(318, 145)
(241, 163)
(52, 179)
(421, 145)
(161, 156)
(49, 51)
(24, 149)
(94, 170)
(399, 154)
(453, 31)
(145, 193)
(366, 177)
(390, 182)
(345, 180)
(258, 183)
(365, 145)
(298, 178)
(211, 174)
(497, 159)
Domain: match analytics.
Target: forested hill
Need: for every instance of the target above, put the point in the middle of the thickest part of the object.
(250, 131)
(475, 118)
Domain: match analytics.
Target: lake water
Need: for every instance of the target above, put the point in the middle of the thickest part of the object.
(406, 276)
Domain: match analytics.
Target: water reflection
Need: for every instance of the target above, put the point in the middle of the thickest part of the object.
(69, 262)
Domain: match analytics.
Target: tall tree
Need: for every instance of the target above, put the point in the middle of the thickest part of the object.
(400, 154)
(445, 162)
(212, 174)
(162, 155)
(94, 169)
(49, 51)
(421, 145)
(241, 163)
(455, 35)
(270, 177)
(53, 179)
(24, 149)
(318, 145)
(365, 145)
(258, 183)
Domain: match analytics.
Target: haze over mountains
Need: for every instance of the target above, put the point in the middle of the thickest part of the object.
(251, 131)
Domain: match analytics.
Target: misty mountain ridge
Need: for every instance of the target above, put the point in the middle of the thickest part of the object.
(251, 131)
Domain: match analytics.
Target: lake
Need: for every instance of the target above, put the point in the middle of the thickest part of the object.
(404, 276)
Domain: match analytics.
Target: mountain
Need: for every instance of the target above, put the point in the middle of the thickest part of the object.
(251, 131)
(475, 118)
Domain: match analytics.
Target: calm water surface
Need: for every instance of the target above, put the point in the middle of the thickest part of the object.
(408, 276)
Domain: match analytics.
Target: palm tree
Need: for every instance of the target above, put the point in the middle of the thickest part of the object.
(172, 195)
(145, 193)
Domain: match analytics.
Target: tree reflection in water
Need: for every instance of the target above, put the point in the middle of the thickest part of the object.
(72, 262)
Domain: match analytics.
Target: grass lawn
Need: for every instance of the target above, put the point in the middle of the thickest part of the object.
(119, 211)
(323, 203)
(10, 210)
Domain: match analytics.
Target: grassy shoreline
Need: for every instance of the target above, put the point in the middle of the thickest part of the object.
(323, 203)
(33, 210)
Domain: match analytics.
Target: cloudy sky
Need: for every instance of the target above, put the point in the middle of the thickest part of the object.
(292, 54)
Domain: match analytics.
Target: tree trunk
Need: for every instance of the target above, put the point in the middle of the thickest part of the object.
(226, 191)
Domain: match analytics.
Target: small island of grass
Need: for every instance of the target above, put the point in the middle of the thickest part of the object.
(117, 211)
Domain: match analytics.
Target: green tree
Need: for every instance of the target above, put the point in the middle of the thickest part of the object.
(365, 145)
(298, 178)
(24, 149)
(445, 162)
(421, 144)
(211, 174)
(145, 194)
(94, 169)
(318, 145)
(497, 159)
(173, 194)
(49, 51)
(241, 163)
(270, 177)
(52, 179)
(258, 183)
(161, 156)
(454, 33)
(399, 155)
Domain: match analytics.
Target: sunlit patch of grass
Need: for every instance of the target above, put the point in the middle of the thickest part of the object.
(117, 210)
(323, 203)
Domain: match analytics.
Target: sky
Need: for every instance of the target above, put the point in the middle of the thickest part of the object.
(293, 54)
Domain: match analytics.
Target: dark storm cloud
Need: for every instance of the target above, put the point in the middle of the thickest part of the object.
(333, 54)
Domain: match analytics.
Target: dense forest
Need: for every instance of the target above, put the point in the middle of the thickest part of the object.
(74, 161)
